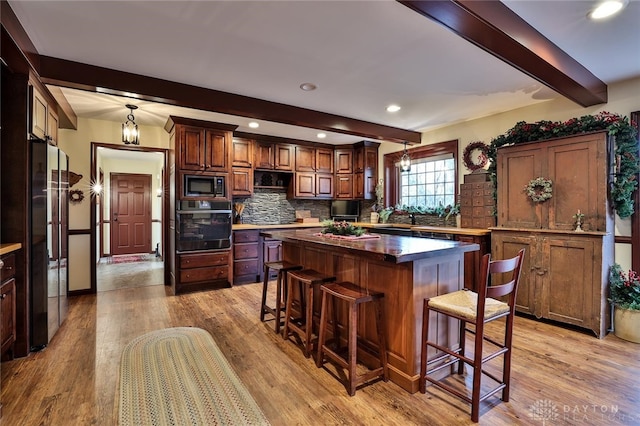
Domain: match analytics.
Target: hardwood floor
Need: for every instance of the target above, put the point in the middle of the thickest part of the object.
(559, 376)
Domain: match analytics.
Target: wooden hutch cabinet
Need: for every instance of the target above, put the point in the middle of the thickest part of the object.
(565, 273)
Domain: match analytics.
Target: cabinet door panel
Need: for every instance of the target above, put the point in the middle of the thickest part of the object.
(216, 151)
(305, 185)
(515, 170)
(52, 126)
(305, 159)
(505, 246)
(8, 313)
(324, 160)
(242, 152)
(568, 294)
(264, 156)
(284, 157)
(572, 167)
(242, 181)
(344, 186)
(191, 148)
(324, 186)
(344, 161)
(38, 114)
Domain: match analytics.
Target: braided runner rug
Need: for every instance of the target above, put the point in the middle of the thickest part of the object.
(178, 376)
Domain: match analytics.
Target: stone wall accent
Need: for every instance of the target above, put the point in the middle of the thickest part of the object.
(271, 207)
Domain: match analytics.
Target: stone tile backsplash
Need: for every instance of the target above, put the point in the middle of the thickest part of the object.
(271, 207)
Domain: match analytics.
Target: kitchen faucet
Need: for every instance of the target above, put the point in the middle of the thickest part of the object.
(413, 218)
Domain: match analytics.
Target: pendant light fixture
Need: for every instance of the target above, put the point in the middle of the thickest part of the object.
(405, 160)
(130, 133)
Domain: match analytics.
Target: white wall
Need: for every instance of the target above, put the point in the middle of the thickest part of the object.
(77, 145)
(624, 98)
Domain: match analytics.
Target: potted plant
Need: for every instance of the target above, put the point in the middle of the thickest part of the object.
(624, 291)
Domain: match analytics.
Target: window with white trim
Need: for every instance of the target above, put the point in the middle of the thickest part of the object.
(431, 182)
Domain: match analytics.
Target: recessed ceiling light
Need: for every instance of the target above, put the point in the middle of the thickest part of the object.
(321, 135)
(393, 108)
(607, 8)
(254, 125)
(307, 87)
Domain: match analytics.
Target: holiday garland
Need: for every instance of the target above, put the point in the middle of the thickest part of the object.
(626, 149)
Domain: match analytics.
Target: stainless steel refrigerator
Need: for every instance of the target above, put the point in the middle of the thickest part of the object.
(49, 245)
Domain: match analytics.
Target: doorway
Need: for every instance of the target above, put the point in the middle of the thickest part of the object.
(130, 214)
(128, 217)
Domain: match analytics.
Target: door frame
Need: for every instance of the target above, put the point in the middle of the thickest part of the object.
(94, 226)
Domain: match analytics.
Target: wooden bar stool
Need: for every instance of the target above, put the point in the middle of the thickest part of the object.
(282, 267)
(302, 326)
(354, 296)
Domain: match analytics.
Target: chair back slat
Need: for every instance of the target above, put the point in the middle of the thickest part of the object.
(511, 267)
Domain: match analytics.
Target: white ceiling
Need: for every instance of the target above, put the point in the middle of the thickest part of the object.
(362, 55)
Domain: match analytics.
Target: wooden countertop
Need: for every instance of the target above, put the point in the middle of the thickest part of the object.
(6, 248)
(390, 248)
(434, 229)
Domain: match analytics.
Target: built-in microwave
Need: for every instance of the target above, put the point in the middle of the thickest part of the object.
(204, 186)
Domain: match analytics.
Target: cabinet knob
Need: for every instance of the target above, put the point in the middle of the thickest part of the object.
(1, 264)
(3, 296)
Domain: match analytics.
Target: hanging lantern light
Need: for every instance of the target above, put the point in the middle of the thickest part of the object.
(405, 160)
(130, 133)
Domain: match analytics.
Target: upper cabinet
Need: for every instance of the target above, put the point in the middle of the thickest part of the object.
(43, 123)
(242, 153)
(344, 160)
(242, 170)
(200, 146)
(365, 167)
(576, 166)
(274, 156)
(203, 149)
(309, 159)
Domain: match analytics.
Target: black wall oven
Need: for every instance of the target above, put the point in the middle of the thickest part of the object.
(203, 225)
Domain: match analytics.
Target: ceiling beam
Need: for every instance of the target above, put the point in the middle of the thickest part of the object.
(495, 28)
(77, 75)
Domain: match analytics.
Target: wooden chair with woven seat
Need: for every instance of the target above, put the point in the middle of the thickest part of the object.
(281, 286)
(477, 309)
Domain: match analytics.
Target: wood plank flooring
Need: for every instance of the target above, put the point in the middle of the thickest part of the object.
(559, 376)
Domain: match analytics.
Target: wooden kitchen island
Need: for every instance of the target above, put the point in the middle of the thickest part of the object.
(405, 269)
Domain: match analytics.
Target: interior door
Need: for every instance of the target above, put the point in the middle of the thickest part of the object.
(130, 213)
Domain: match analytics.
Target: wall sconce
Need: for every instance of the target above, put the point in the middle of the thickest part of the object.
(405, 160)
(130, 133)
(159, 192)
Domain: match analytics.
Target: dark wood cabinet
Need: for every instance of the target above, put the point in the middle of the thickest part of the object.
(241, 181)
(242, 152)
(324, 160)
(246, 256)
(305, 159)
(344, 161)
(204, 150)
(242, 170)
(274, 156)
(564, 277)
(313, 185)
(8, 304)
(202, 270)
(365, 167)
(344, 186)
